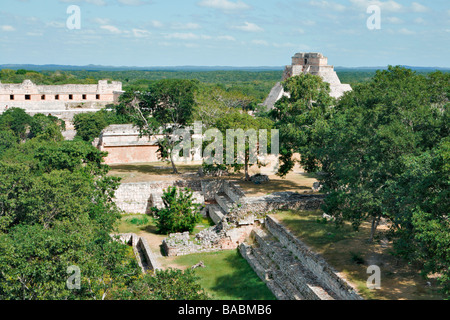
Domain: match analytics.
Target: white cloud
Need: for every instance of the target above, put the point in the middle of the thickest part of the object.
(94, 2)
(388, 6)
(249, 27)
(224, 5)
(186, 26)
(134, 2)
(111, 29)
(327, 5)
(420, 21)
(406, 31)
(55, 24)
(394, 20)
(34, 34)
(140, 33)
(260, 42)
(105, 2)
(182, 36)
(8, 28)
(308, 22)
(417, 7)
(157, 24)
(284, 45)
(227, 38)
(101, 20)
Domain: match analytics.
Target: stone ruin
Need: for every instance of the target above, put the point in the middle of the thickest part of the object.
(290, 269)
(63, 101)
(144, 255)
(235, 216)
(312, 63)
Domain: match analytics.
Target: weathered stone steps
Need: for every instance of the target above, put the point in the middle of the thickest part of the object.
(264, 274)
(215, 213)
(295, 280)
(224, 202)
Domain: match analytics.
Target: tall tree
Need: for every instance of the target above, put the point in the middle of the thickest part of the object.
(234, 128)
(165, 108)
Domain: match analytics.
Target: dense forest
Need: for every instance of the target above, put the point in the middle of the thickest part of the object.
(381, 153)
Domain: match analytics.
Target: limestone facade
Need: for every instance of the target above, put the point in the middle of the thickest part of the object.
(59, 100)
(125, 145)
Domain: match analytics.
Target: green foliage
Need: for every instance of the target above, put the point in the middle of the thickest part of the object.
(57, 211)
(139, 221)
(47, 127)
(180, 213)
(170, 284)
(242, 123)
(90, 125)
(165, 108)
(381, 153)
(7, 139)
(16, 120)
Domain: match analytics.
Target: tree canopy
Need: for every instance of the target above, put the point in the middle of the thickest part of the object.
(380, 152)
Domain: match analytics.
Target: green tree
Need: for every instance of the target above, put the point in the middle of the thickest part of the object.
(165, 108)
(381, 153)
(179, 214)
(242, 124)
(295, 116)
(89, 125)
(18, 121)
(170, 284)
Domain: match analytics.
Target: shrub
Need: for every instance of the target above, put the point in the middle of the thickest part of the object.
(180, 213)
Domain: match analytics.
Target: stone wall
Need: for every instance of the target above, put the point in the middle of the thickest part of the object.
(329, 277)
(250, 208)
(124, 144)
(135, 197)
(32, 97)
(209, 240)
(144, 255)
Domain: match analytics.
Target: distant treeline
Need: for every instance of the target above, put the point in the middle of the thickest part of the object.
(256, 84)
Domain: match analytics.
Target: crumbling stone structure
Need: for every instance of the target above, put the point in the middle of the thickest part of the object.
(312, 63)
(291, 270)
(140, 197)
(63, 101)
(124, 145)
(144, 255)
(235, 216)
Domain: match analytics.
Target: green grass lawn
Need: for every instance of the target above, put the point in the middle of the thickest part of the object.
(227, 276)
(135, 223)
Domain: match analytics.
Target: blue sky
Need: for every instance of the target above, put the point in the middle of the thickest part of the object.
(224, 32)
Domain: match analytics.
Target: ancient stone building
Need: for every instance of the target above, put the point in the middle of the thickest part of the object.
(125, 145)
(59, 100)
(312, 63)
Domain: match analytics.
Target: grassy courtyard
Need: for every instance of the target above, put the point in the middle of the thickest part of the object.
(226, 276)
